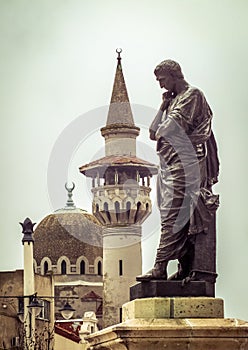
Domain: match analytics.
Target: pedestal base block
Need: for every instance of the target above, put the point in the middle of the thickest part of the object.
(173, 324)
(173, 308)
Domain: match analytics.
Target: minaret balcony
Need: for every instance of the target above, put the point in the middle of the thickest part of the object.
(122, 204)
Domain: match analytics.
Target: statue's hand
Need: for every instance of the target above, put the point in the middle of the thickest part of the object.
(167, 97)
(152, 134)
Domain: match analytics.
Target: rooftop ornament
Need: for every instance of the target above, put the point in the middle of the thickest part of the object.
(69, 203)
(119, 51)
(27, 230)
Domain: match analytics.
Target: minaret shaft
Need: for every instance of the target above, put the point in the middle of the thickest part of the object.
(122, 261)
(120, 139)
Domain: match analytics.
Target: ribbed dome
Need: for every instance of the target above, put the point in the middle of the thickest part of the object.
(69, 232)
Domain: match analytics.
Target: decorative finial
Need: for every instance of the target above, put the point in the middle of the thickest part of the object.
(27, 230)
(119, 51)
(70, 203)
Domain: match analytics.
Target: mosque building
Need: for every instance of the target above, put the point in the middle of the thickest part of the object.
(96, 257)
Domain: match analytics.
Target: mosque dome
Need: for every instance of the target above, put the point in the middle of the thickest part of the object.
(70, 235)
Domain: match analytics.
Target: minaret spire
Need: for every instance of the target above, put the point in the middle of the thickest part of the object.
(119, 110)
(120, 131)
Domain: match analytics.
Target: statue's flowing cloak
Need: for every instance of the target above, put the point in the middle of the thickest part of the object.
(189, 166)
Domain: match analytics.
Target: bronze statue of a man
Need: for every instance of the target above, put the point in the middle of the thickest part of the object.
(188, 168)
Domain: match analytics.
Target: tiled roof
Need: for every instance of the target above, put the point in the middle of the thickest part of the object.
(66, 330)
(118, 161)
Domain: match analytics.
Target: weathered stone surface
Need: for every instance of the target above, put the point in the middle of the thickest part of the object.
(146, 308)
(173, 334)
(197, 307)
(173, 308)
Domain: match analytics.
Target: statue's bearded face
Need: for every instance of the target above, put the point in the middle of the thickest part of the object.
(166, 81)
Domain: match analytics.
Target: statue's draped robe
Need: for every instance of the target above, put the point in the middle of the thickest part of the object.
(188, 168)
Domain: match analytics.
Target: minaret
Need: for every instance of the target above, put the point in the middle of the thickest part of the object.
(28, 275)
(121, 200)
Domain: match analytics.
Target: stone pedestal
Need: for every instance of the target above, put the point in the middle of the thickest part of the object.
(173, 308)
(162, 288)
(173, 324)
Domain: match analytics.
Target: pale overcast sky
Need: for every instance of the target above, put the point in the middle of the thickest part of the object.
(58, 62)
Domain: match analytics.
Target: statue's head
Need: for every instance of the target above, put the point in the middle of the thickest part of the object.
(171, 67)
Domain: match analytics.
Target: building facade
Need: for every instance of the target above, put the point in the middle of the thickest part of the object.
(12, 334)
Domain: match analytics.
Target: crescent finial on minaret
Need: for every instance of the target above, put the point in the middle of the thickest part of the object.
(69, 189)
(119, 51)
(69, 202)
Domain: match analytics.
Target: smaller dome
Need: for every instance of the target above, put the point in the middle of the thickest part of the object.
(70, 232)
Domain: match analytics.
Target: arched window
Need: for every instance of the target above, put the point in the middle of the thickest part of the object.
(137, 212)
(105, 207)
(117, 210)
(45, 267)
(63, 267)
(99, 268)
(128, 209)
(82, 267)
